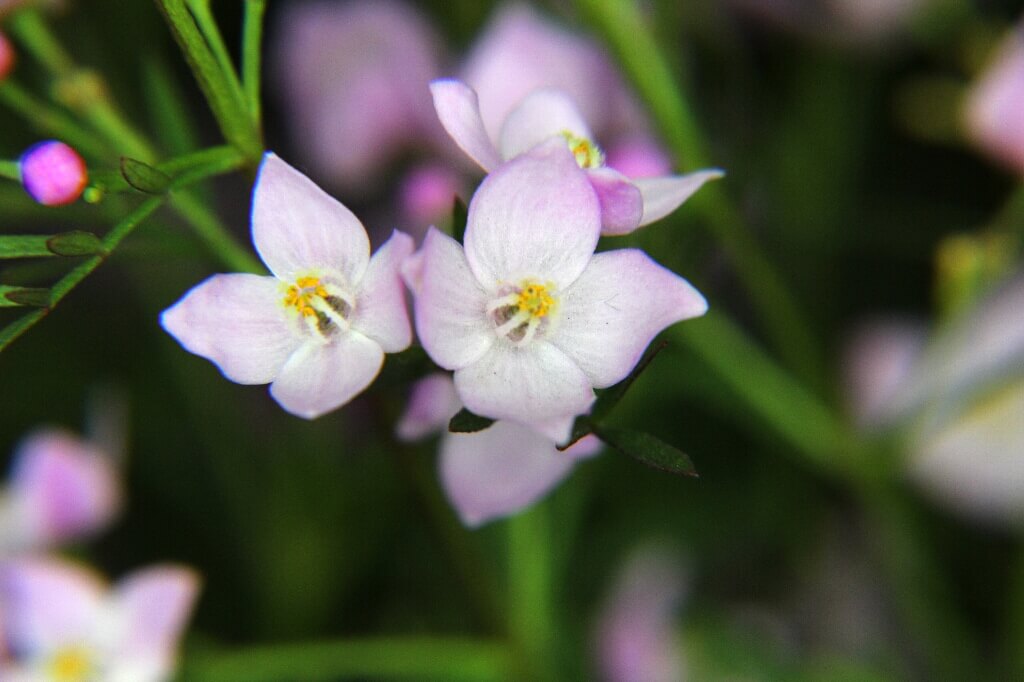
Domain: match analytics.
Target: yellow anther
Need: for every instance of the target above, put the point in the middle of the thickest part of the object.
(534, 300)
(301, 294)
(588, 154)
(71, 665)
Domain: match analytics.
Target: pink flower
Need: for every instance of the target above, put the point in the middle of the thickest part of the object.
(60, 489)
(62, 622)
(551, 114)
(53, 173)
(492, 473)
(636, 635)
(995, 105)
(427, 194)
(354, 77)
(527, 316)
(7, 57)
(319, 327)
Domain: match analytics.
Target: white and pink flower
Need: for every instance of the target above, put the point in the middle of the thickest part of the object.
(995, 105)
(527, 316)
(492, 473)
(62, 623)
(318, 329)
(547, 114)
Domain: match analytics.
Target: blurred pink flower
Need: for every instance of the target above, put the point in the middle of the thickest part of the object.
(7, 57)
(636, 636)
(63, 623)
(53, 173)
(427, 194)
(995, 105)
(492, 473)
(545, 114)
(638, 156)
(318, 328)
(60, 489)
(354, 81)
(878, 361)
(526, 315)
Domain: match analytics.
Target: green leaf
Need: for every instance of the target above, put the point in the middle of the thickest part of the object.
(144, 177)
(75, 243)
(24, 296)
(460, 215)
(467, 422)
(648, 449)
(23, 246)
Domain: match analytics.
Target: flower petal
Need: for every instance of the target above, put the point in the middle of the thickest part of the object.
(298, 228)
(320, 377)
(541, 115)
(617, 306)
(666, 194)
(621, 202)
(152, 607)
(459, 112)
(500, 470)
(65, 487)
(432, 404)
(534, 217)
(535, 383)
(49, 603)
(380, 312)
(638, 156)
(238, 322)
(450, 306)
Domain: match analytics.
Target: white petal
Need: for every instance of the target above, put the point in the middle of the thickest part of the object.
(298, 228)
(380, 312)
(500, 470)
(450, 306)
(239, 323)
(459, 112)
(536, 216)
(432, 403)
(153, 607)
(49, 603)
(622, 205)
(878, 363)
(320, 377)
(531, 384)
(664, 195)
(541, 115)
(617, 306)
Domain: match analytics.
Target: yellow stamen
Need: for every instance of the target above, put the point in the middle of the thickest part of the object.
(588, 154)
(71, 665)
(534, 300)
(300, 295)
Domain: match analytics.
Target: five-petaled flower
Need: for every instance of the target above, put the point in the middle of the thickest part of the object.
(549, 113)
(62, 623)
(527, 316)
(319, 327)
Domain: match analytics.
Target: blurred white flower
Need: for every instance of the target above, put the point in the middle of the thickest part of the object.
(995, 105)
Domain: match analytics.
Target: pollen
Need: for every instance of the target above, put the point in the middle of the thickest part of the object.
(301, 295)
(71, 665)
(588, 154)
(534, 300)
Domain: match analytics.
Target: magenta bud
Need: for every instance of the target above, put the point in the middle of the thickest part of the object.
(53, 173)
(6, 57)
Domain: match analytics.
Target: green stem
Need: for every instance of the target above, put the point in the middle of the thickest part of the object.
(51, 121)
(623, 26)
(10, 170)
(208, 228)
(448, 658)
(225, 98)
(530, 608)
(252, 44)
(35, 36)
(211, 33)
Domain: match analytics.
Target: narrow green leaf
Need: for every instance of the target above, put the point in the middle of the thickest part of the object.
(144, 177)
(25, 296)
(459, 216)
(648, 449)
(23, 246)
(467, 422)
(76, 243)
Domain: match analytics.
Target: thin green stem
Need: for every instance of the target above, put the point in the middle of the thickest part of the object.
(622, 24)
(35, 36)
(531, 613)
(49, 120)
(220, 89)
(448, 658)
(212, 232)
(10, 170)
(211, 33)
(252, 50)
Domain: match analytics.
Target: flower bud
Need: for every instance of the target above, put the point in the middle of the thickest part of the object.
(53, 173)
(6, 56)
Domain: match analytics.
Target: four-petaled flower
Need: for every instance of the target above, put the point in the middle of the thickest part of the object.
(318, 329)
(62, 623)
(527, 316)
(549, 113)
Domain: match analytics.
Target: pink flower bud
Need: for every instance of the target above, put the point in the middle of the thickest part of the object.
(53, 173)
(6, 56)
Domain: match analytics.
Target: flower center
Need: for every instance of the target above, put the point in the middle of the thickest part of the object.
(323, 305)
(588, 154)
(519, 311)
(71, 664)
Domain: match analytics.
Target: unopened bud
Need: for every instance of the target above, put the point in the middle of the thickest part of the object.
(53, 173)
(6, 57)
